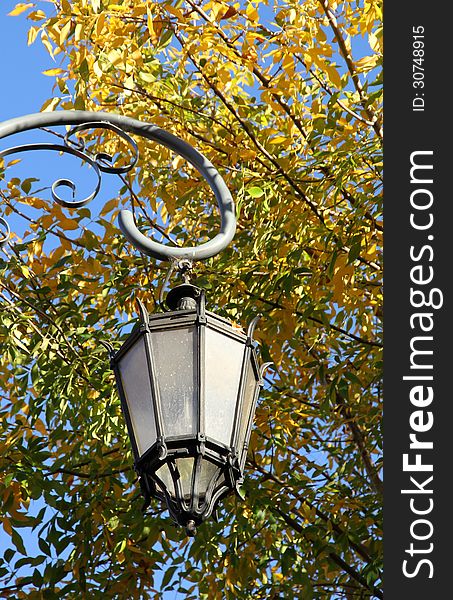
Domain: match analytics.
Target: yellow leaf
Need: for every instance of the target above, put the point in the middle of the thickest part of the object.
(53, 72)
(25, 271)
(100, 22)
(20, 8)
(367, 63)
(150, 23)
(252, 13)
(65, 31)
(231, 12)
(177, 162)
(78, 33)
(333, 76)
(7, 527)
(97, 69)
(50, 104)
(39, 426)
(46, 42)
(110, 205)
(371, 251)
(32, 35)
(68, 224)
(118, 8)
(288, 64)
(47, 221)
(14, 162)
(36, 15)
(278, 139)
(115, 57)
(57, 253)
(308, 60)
(175, 12)
(375, 42)
(65, 5)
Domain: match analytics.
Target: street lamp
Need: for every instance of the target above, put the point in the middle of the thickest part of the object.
(188, 379)
(188, 382)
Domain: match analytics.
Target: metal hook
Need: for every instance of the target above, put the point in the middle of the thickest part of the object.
(164, 285)
(185, 267)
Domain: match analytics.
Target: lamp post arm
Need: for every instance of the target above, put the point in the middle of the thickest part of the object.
(84, 120)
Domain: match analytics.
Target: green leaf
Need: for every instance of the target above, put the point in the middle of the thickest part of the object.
(168, 576)
(84, 70)
(354, 252)
(255, 192)
(44, 546)
(18, 542)
(27, 183)
(165, 39)
(8, 555)
(37, 578)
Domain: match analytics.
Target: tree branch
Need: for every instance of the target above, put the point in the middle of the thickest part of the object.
(358, 548)
(316, 320)
(359, 439)
(347, 57)
(337, 559)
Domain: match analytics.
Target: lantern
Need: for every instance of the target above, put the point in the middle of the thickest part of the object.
(188, 380)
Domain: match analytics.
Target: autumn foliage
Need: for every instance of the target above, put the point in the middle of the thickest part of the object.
(285, 99)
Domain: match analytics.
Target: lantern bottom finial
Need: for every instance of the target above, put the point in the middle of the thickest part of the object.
(191, 530)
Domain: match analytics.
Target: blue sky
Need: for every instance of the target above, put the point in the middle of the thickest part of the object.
(24, 88)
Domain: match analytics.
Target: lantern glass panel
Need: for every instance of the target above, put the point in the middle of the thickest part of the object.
(164, 474)
(174, 354)
(207, 472)
(223, 364)
(185, 470)
(251, 383)
(135, 378)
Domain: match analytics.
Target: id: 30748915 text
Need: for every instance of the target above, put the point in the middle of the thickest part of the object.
(418, 69)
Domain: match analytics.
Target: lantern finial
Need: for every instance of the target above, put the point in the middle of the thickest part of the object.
(191, 529)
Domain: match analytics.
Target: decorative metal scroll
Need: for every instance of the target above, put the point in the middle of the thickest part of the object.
(4, 235)
(103, 163)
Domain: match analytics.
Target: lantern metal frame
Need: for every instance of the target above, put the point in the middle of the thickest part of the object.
(229, 459)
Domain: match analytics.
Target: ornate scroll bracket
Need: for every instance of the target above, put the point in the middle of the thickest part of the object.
(4, 236)
(102, 163)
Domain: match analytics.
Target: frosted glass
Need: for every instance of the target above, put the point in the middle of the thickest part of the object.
(223, 371)
(249, 396)
(164, 473)
(220, 481)
(185, 470)
(174, 353)
(134, 373)
(207, 472)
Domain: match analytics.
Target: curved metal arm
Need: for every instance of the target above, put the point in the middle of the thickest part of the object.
(151, 132)
(5, 236)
